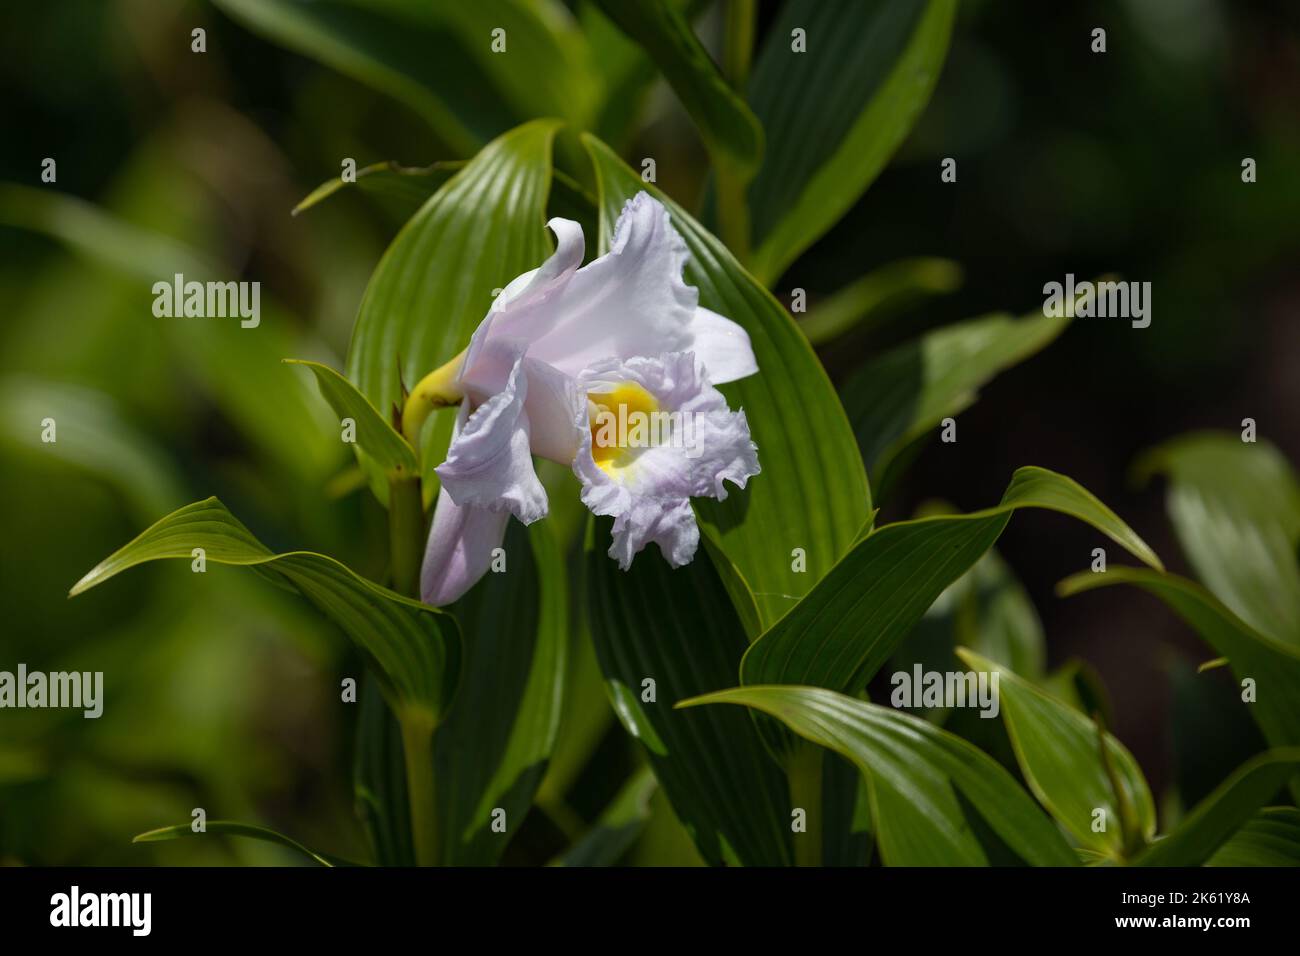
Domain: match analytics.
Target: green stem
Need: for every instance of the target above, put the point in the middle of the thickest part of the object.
(804, 768)
(406, 533)
(738, 42)
(417, 747)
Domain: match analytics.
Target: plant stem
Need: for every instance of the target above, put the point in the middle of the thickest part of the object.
(405, 533)
(417, 747)
(804, 768)
(738, 42)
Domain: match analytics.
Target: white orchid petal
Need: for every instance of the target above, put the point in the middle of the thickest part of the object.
(459, 552)
(489, 464)
(523, 310)
(556, 411)
(722, 346)
(630, 301)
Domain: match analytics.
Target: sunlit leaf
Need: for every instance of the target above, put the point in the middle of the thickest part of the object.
(415, 648)
(386, 454)
(847, 627)
(1059, 752)
(915, 772)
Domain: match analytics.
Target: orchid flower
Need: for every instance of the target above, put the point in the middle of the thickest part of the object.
(565, 358)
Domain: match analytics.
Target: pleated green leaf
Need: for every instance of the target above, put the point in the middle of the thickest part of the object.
(416, 649)
(1273, 666)
(439, 58)
(493, 748)
(375, 437)
(896, 398)
(247, 830)
(435, 283)
(836, 113)
(1225, 811)
(915, 772)
(724, 120)
(677, 630)
(812, 498)
(847, 627)
(1060, 755)
(1236, 509)
(1270, 838)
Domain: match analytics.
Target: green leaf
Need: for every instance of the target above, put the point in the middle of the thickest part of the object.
(915, 772)
(408, 186)
(231, 828)
(92, 435)
(1059, 753)
(728, 127)
(435, 283)
(415, 648)
(869, 302)
(618, 826)
(438, 58)
(847, 627)
(836, 114)
(1270, 838)
(1273, 666)
(895, 399)
(1236, 509)
(492, 750)
(676, 628)
(1225, 811)
(812, 494)
(378, 444)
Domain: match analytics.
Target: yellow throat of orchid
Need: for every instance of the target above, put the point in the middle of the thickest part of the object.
(617, 418)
